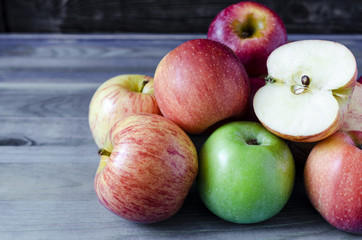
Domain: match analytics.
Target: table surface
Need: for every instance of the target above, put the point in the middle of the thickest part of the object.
(48, 158)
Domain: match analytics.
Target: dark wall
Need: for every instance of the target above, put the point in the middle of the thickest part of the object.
(168, 16)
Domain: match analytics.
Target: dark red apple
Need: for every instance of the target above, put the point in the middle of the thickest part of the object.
(333, 180)
(255, 84)
(200, 83)
(252, 30)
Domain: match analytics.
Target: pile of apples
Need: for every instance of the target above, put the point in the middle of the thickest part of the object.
(250, 91)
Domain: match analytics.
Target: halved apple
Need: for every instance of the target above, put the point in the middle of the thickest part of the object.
(307, 91)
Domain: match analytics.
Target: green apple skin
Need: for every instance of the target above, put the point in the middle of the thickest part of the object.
(241, 182)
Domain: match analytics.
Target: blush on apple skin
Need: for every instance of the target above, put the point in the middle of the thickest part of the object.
(333, 180)
(200, 83)
(252, 31)
(151, 167)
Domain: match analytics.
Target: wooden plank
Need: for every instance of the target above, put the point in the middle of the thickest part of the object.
(171, 16)
(95, 58)
(3, 15)
(91, 59)
(49, 208)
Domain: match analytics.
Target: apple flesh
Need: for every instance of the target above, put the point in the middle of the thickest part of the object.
(333, 180)
(308, 90)
(118, 97)
(200, 83)
(252, 31)
(148, 164)
(246, 173)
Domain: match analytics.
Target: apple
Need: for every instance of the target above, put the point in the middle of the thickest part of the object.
(333, 180)
(308, 90)
(118, 97)
(255, 84)
(354, 115)
(246, 173)
(353, 121)
(200, 83)
(252, 30)
(147, 167)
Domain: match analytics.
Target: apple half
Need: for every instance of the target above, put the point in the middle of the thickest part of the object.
(307, 91)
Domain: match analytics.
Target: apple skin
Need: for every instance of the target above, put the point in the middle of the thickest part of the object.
(151, 167)
(118, 97)
(244, 183)
(255, 84)
(264, 29)
(333, 180)
(200, 83)
(354, 115)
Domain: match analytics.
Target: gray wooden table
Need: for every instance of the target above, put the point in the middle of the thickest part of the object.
(48, 158)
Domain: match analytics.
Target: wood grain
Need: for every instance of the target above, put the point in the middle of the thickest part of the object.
(48, 158)
(161, 16)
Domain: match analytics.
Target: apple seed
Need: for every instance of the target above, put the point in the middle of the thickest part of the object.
(305, 80)
(299, 89)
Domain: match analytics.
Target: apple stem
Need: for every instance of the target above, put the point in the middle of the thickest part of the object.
(252, 141)
(144, 84)
(103, 152)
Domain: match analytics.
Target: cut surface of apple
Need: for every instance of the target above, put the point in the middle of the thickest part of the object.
(307, 91)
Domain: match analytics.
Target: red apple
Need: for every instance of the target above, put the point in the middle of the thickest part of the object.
(255, 84)
(200, 83)
(118, 97)
(147, 167)
(333, 180)
(252, 30)
(359, 79)
(354, 115)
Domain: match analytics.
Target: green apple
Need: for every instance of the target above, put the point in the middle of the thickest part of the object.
(246, 173)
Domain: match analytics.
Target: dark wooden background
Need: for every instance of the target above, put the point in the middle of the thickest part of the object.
(168, 16)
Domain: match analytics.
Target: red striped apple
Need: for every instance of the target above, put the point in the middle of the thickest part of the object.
(252, 30)
(333, 180)
(118, 97)
(200, 83)
(308, 90)
(147, 167)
